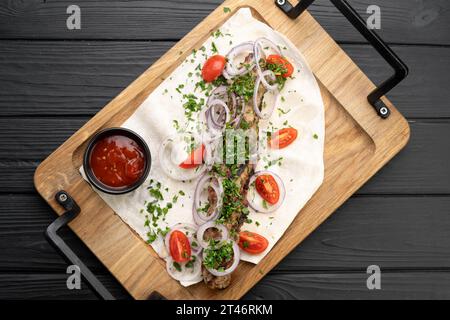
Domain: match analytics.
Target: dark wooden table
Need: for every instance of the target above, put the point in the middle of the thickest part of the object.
(52, 80)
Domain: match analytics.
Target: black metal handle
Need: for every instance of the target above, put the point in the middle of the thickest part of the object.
(400, 68)
(72, 211)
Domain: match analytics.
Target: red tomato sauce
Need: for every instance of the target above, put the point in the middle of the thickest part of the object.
(117, 161)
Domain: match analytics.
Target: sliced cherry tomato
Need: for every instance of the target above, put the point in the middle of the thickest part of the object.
(180, 248)
(267, 188)
(194, 159)
(282, 138)
(285, 65)
(252, 243)
(213, 68)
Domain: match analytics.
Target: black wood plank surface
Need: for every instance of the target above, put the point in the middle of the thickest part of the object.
(377, 234)
(405, 285)
(79, 78)
(42, 286)
(403, 21)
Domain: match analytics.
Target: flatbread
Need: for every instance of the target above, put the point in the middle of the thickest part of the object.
(299, 103)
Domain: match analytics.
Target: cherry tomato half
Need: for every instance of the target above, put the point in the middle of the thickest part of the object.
(267, 188)
(283, 63)
(213, 68)
(282, 138)
(180, 248)
(194, 159)
(252, 243)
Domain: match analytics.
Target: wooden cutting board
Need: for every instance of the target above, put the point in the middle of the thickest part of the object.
(357, 144)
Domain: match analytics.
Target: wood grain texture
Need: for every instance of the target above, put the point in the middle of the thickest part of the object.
(421, 168)
(42, 286)
(409, 285)
(403, 21)
(356, 137)
(364, 231)
(78, 78)
(406, 285)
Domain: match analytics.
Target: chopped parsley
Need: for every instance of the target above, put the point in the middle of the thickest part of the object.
(214, 48)
(281, 111)
(243, 86)
(156, 211)
(216, 256)
(217, 34)
(278, 70)
(219, 81)
(192, 104)
(177, 266)
(226, 10)
(244, 125)
(176, 125)
(274, 162)
(178, 89)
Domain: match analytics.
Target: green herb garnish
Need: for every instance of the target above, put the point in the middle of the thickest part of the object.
(216, 256)
(177, 266)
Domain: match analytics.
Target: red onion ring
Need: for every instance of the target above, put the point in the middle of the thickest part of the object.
(257, 49)
(270, 208)
(236, 259)
(234, 104)
(225, 108)
(238, 117)
(230, 70)
(255, 96)
(185, 275)
(220, 93)
(218, 189)
(190, 231)
(226, 75)
(211, 122)
(211, 224)
(173, 170)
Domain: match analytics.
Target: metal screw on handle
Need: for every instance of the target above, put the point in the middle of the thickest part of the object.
(63, 197)
(281, 2)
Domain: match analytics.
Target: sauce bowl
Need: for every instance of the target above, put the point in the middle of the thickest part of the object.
(102, 135)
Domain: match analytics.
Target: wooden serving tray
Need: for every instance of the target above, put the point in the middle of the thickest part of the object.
(357, 144)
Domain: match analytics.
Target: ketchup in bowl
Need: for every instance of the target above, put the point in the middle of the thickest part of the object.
(117, 161)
